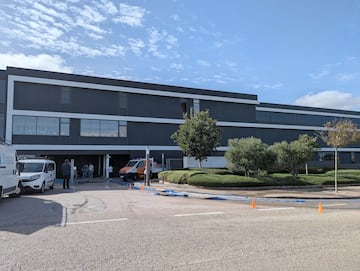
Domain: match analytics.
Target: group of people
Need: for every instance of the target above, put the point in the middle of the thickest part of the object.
(87, 172)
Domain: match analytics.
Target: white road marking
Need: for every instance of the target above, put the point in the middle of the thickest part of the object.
(194, 214)
(334, 204)
(92, 221)
(276, 209)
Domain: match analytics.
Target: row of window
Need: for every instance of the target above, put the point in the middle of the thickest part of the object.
(297, 119)
(28, 125)
(50, 126)
(103, 128)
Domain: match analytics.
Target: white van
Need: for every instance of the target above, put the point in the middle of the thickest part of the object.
(37, 174)
(9, 178)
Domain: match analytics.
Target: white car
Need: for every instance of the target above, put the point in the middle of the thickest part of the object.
(9, 178)
(37, 174)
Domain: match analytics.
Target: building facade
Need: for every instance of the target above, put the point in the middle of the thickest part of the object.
(106, 121)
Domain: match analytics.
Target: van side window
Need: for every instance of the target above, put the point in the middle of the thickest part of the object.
(50, 167)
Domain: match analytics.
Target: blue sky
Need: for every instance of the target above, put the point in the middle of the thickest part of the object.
(285, 51)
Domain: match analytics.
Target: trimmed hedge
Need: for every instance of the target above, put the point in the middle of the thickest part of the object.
(212, 178)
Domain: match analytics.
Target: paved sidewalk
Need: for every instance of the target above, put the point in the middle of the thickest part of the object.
(308, 192)
(323, 192)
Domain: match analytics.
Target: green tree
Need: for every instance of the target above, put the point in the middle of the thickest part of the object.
(339, 134)
(199, 136)
(250, 154)
(311, 145)
(290, 156)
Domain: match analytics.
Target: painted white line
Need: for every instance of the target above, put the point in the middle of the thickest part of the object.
(276, 209)
(194, 214)
(92, 222)
(334, 204)
(64, 218)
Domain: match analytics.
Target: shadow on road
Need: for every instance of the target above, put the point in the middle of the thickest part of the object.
(26, 215)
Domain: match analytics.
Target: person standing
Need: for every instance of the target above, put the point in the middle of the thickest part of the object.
(91, 170)
(110, 171)
(66, 171)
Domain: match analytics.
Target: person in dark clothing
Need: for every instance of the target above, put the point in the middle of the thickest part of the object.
(66, 171)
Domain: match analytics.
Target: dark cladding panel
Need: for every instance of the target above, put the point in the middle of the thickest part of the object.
(151, 133)
(92, 101)
(154, 106)
(235, 132)
(225, 111)
(2, 108)
(28, 96)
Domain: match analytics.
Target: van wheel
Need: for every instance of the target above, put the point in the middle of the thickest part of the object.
(42, 189)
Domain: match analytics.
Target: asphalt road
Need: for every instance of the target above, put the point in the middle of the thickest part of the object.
(104, 227)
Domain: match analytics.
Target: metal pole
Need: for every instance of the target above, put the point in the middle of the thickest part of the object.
(72, 174)
(147, 173)
(162, 161)
(107, 159)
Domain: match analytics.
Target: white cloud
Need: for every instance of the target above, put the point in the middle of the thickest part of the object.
(136, 45)
(346, 76)
(274, 86)
(107, 6)
(176, 66)
(203, 63)
(40, 62)
(161, 43)
(330, 99)
(90, 14)
(175, 17)
(130, 15)
(319, 74)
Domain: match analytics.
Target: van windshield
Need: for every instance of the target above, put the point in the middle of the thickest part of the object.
(31, 167)
(131, 163)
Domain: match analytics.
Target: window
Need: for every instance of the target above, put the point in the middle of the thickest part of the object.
(50, 167)
(283, 117)
(65, 95)
(326, 156)
(64, 127)
(196, 105)
(262, 116)
(353, 157)
(123, 100)
(103, 128)
(90, 127)
(108, 128)
(123, 128)
(29, 125)
(24, 125)
(47, 126)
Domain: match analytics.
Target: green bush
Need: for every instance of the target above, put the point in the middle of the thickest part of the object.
(178, 176)
(222, 178)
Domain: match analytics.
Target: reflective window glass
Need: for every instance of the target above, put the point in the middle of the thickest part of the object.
(47, 126)
(109, 128)
(24, 125)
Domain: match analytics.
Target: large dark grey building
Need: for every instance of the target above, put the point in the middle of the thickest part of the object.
(90, 119)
